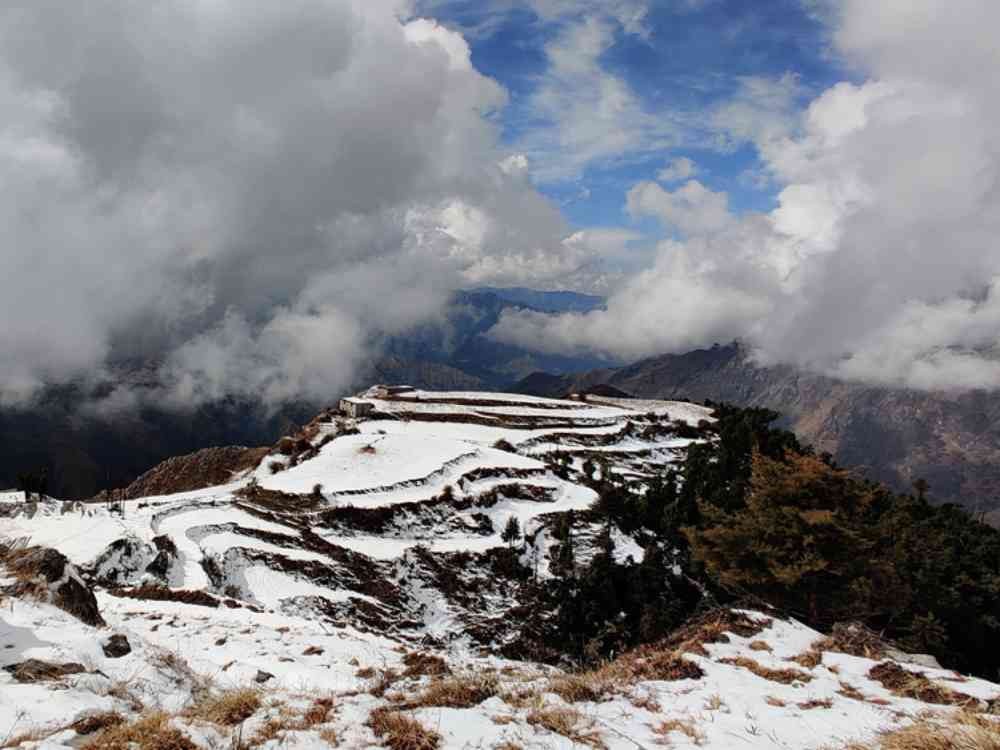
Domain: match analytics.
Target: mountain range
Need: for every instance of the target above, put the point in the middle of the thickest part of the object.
(949, 439)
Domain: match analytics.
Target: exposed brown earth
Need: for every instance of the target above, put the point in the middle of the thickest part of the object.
(204, 468)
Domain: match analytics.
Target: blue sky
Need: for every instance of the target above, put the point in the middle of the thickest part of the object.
(681, 61)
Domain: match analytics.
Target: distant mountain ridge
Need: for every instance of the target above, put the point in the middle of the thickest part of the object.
(952, 440)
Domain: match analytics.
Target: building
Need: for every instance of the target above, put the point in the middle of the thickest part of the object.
(355, 407)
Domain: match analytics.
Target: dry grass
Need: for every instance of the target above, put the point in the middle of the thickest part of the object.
(906, 684)
(30, 735)
(784, 676)
(458, 691)
(772, 700)
(229, 708)
(508, 746)
(959, 731)
(568, 722)
(713, 627)
(149, 732)
(760, 646)
(419, 665)
(855, 639)
(714, 702)
(401, 732)
(318, 712)
(815, 703)
(664, 728)
(97, 722)
(849, 691)
(808, 659)
(384, 679)
(581, 687)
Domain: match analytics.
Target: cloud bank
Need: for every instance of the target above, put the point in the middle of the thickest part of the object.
(881, 261)
(251, 193)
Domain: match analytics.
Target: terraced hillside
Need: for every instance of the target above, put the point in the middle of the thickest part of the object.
(355, 588)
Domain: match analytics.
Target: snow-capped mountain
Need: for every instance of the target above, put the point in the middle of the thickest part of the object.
(368, 582)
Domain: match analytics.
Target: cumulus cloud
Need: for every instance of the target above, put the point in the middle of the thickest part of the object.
(881, 260)
(250, 193)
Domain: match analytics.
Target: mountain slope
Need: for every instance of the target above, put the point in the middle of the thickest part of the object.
(952, 440)
(353, 588)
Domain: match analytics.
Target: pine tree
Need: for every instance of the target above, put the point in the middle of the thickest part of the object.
(511, 532)
(800, 541)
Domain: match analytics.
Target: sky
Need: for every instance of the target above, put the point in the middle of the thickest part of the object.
(254, 195)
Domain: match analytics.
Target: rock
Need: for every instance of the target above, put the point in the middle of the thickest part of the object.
(35, 670)
(116, 646)
(263, 677)
(919, 660)
(313, 651)
(64, 587)
(166, 555)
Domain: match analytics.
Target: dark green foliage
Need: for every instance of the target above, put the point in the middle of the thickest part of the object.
(766, 517)
(511, 532)
(609, 606)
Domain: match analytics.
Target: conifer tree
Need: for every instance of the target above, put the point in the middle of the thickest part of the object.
(799, 539)
(511, 532)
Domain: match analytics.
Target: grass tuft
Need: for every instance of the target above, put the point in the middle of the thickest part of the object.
(401, 732)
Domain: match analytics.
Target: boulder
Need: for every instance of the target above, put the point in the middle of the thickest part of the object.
(116, 646)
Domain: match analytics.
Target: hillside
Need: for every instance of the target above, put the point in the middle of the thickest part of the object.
(952, 440)
(355, 588)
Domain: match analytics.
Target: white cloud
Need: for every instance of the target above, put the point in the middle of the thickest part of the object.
(691, 208)
(678, 170)
(581, 114)
(881, 259)
(249, 192)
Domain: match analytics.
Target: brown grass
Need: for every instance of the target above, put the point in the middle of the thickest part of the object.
(849, 691)
(772, 700)
(229, 708)
(384, 680)
(855, 639)
(568, 722)
(402, 732)
(784, 676)
(906, 684)
(318, 712)
(419, 665)
(459, 691)
(97, 722)
(581, 687)
(713, 627)
(149, 732)
(959, 731)
(808, 659)
(760, 646)
(664, 728)
(815, 703)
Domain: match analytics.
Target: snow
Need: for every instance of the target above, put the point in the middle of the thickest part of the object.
(261, 550)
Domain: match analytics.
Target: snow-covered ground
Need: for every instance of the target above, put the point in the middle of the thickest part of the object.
(304, 594)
